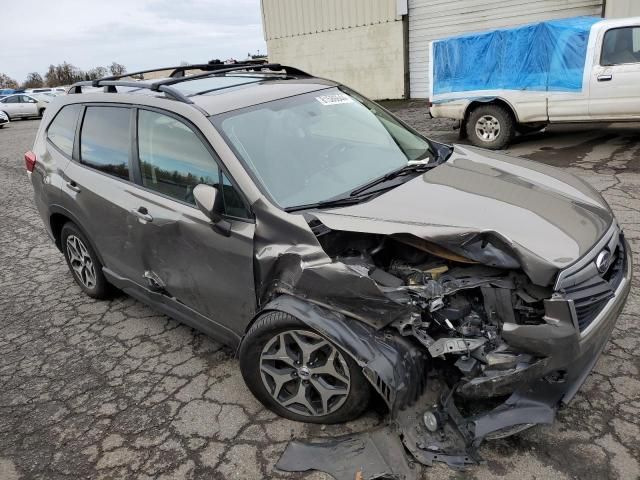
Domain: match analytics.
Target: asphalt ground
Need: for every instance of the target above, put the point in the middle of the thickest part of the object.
(111, 389)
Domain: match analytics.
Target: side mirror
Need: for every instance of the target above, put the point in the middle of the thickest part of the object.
(209, 201)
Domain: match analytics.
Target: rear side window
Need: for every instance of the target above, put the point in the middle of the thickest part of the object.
(105, 140)
(15, 99)
(173, 160)
(621, 45)
(63, 128)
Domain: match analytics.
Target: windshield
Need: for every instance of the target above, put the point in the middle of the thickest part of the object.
(317, 146)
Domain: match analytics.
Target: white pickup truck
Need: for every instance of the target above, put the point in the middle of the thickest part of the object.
(605, 61)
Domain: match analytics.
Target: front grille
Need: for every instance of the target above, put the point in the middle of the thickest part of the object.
(590, 289)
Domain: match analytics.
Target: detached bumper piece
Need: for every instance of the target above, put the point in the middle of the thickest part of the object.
(378, 454)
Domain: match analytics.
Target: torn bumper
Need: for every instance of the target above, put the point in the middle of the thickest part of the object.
(540, 389)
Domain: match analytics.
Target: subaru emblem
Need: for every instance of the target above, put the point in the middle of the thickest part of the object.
(602, 261)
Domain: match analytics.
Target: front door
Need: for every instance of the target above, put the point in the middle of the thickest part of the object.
(181, 252)
(615, 79)
(12, 106)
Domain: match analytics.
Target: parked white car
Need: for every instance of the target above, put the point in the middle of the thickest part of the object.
(604, 59)
(23, 106)
(54, 90)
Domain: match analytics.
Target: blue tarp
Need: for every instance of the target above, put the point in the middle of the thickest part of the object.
(545, 56)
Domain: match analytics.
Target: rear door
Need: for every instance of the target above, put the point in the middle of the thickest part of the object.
(98, 187)
(615, 79)
(28, 106)
(182, 253)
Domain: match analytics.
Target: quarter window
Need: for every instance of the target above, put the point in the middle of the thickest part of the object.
(63, 128)
(105, 140)
(173, 160)
(621, 45)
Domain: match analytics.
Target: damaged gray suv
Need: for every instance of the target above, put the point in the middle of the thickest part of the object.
(343, 255)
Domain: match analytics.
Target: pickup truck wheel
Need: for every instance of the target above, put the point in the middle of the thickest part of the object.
(300, 375)
(490, 126)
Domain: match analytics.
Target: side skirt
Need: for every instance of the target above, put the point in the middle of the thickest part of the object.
(173, 308)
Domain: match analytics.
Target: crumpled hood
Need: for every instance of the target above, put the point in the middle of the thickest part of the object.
(481, 203)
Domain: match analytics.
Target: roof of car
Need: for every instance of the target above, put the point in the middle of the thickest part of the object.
(217, 91)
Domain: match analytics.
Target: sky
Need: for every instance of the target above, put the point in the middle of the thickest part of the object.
(136, 33)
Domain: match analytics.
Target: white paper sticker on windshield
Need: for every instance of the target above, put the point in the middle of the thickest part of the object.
(335, 99)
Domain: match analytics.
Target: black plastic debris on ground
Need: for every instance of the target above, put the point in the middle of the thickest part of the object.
(378, 454)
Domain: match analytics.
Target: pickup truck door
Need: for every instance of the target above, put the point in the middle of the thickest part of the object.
(615, 78)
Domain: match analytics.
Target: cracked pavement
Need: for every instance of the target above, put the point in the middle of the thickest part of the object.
(111, 389)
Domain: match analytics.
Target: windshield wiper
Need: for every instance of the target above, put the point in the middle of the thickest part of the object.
(336, 202)
(411, 167)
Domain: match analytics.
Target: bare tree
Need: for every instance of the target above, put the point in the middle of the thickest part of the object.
(63, 74)
(117, 69)
(95, 73)
(7, 82)
(34, 80)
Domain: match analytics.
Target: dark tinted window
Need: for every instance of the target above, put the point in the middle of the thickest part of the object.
(233, 204)
(63, 128)
(14, 99)
(105, 140)
(621, 45)
(173, 160)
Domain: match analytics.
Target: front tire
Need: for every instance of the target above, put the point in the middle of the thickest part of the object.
(83, 262)
(490, 126)
(299, 375)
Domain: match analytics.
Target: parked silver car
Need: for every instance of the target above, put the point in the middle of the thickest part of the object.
(340, 253)
(21, 105)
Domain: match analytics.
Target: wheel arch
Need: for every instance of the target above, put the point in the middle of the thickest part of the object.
(489, 101)
(394, 366)
(57, 219)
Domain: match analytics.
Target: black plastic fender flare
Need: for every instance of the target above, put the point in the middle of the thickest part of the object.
(395, 367)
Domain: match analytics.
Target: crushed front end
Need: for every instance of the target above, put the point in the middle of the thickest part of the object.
(461, 352)
(505, 353)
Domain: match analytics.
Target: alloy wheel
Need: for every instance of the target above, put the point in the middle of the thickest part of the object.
(81, 262)
(305, 373)
(487, 128)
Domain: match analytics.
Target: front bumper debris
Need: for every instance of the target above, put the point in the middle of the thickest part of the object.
(433, 428)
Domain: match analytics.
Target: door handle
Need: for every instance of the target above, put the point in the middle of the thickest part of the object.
(143, 214)
(71, 185)
(605, 78)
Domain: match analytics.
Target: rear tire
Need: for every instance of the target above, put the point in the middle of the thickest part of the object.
(41, 112)
(274, 366)
(7, 116)
(83, 262)
(490, 126)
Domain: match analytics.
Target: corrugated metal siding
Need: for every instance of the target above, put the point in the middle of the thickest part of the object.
(289, 18)
(433, 19)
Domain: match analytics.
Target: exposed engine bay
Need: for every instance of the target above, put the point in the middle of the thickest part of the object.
(459, 307)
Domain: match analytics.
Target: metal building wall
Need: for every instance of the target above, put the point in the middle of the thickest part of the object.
(289, 18)
(356, 42)
(622, 8)
(433, 19)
